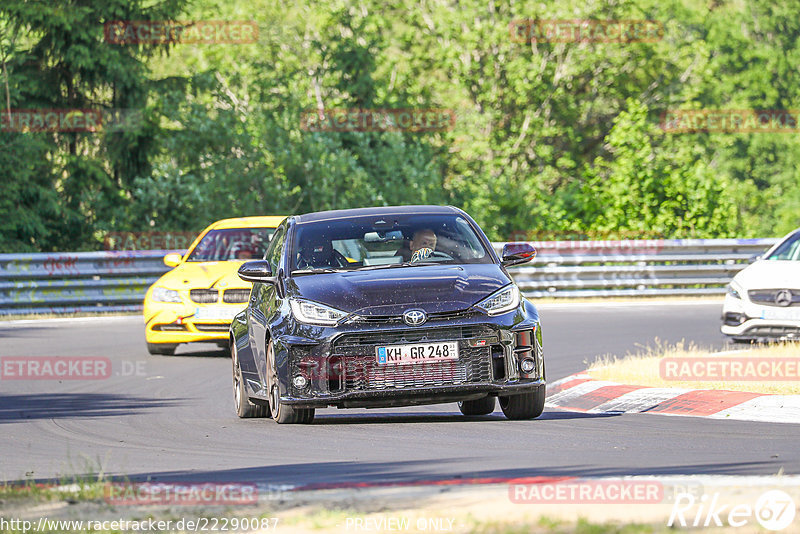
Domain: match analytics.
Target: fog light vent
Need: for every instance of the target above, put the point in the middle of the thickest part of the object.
(300, 382)
(527, 366)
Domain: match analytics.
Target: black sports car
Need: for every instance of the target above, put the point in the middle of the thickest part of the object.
(381, 307)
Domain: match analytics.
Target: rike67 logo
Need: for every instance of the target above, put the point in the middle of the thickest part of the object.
(773, 510)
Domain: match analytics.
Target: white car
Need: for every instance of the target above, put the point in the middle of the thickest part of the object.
(763, 300)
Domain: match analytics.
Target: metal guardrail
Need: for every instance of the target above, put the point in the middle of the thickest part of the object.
(633, 268)
(74, 282)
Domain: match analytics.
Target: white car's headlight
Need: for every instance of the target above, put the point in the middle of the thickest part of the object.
(162, 294)
(734, 291)
(501, 301)
(309, 312)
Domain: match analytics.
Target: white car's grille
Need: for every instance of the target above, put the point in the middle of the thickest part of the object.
(775, 297)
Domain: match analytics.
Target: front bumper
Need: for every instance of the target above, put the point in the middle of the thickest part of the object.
(748, 321)
(415, 396)
(340, 367)
(176, 323)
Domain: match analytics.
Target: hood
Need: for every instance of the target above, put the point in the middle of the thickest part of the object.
(770, 274)
(433, 288)
(204, 274)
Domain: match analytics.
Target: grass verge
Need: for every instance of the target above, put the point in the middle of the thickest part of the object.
(644, 368)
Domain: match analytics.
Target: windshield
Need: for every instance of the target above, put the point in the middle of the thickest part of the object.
(788, 250)
(232, 244)
(384, 242)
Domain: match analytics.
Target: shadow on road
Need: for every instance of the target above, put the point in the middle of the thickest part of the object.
(14, 408)
(330, 475)
(443, 417)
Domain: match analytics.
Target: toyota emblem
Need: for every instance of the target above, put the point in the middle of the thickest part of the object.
(414, 317)
(783, 298)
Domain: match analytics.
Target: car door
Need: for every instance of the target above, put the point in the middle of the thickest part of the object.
(263, 304)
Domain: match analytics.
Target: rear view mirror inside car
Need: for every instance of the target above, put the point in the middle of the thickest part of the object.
(383, 236)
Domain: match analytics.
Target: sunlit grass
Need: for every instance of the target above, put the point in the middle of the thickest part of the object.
(643, 368)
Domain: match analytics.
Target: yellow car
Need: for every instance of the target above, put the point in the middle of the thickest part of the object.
(197, 300)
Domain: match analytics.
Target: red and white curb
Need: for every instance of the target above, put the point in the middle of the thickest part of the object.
(581, 393)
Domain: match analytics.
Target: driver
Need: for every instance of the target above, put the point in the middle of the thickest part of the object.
(422, 239)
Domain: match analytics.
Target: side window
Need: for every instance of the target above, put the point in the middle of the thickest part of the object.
(275, 250)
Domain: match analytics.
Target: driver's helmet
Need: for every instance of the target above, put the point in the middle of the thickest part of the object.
(317, 253)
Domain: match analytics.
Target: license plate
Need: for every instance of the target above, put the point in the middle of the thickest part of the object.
(216, 313)
(417, 353)
(781, 314)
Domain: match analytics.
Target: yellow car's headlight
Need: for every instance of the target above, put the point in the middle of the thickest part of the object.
(162, 294)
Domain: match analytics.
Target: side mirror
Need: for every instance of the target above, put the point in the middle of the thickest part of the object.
(256, 271)
(517, 253)
(173, 259)
(755, 258)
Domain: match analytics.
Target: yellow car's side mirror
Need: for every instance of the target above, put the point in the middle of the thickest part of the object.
(173, 259)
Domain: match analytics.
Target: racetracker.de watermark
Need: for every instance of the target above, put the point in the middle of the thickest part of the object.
(585, 31)
(133, 32)
(148, 240)
(588, 492)
(729, 369)
(581, 235)
(730, 121)
(189, 494)
(70, 120)
(378, 120)
(67, 368)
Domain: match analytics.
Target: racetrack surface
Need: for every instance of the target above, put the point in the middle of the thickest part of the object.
(171, 418)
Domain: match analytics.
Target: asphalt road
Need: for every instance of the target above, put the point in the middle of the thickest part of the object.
(172, 419)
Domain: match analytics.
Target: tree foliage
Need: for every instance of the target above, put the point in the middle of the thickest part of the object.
(549, 136)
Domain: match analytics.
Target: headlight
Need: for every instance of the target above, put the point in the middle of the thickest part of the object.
(309, 312)
(733, 292)
(501, 301)
(162, 294)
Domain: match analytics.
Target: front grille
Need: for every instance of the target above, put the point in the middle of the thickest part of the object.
(411, 336)
(204, 296)
(768, 296)
(353, 365)
(363, 372)
(773, 331)
(236, 296)
(211, 327)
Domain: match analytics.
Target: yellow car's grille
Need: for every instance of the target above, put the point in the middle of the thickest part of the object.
(204, 296)
(211, 327)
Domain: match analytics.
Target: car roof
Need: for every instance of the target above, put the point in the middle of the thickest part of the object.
(267, 221)
(374, 212)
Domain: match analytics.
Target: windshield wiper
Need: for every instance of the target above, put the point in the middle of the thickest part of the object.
(403, 264)
(318, 271)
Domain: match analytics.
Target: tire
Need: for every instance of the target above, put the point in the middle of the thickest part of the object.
(283, 413)
(244, 408)
(225, 348)
(483, 406)
(164, 349)
(525, 406)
